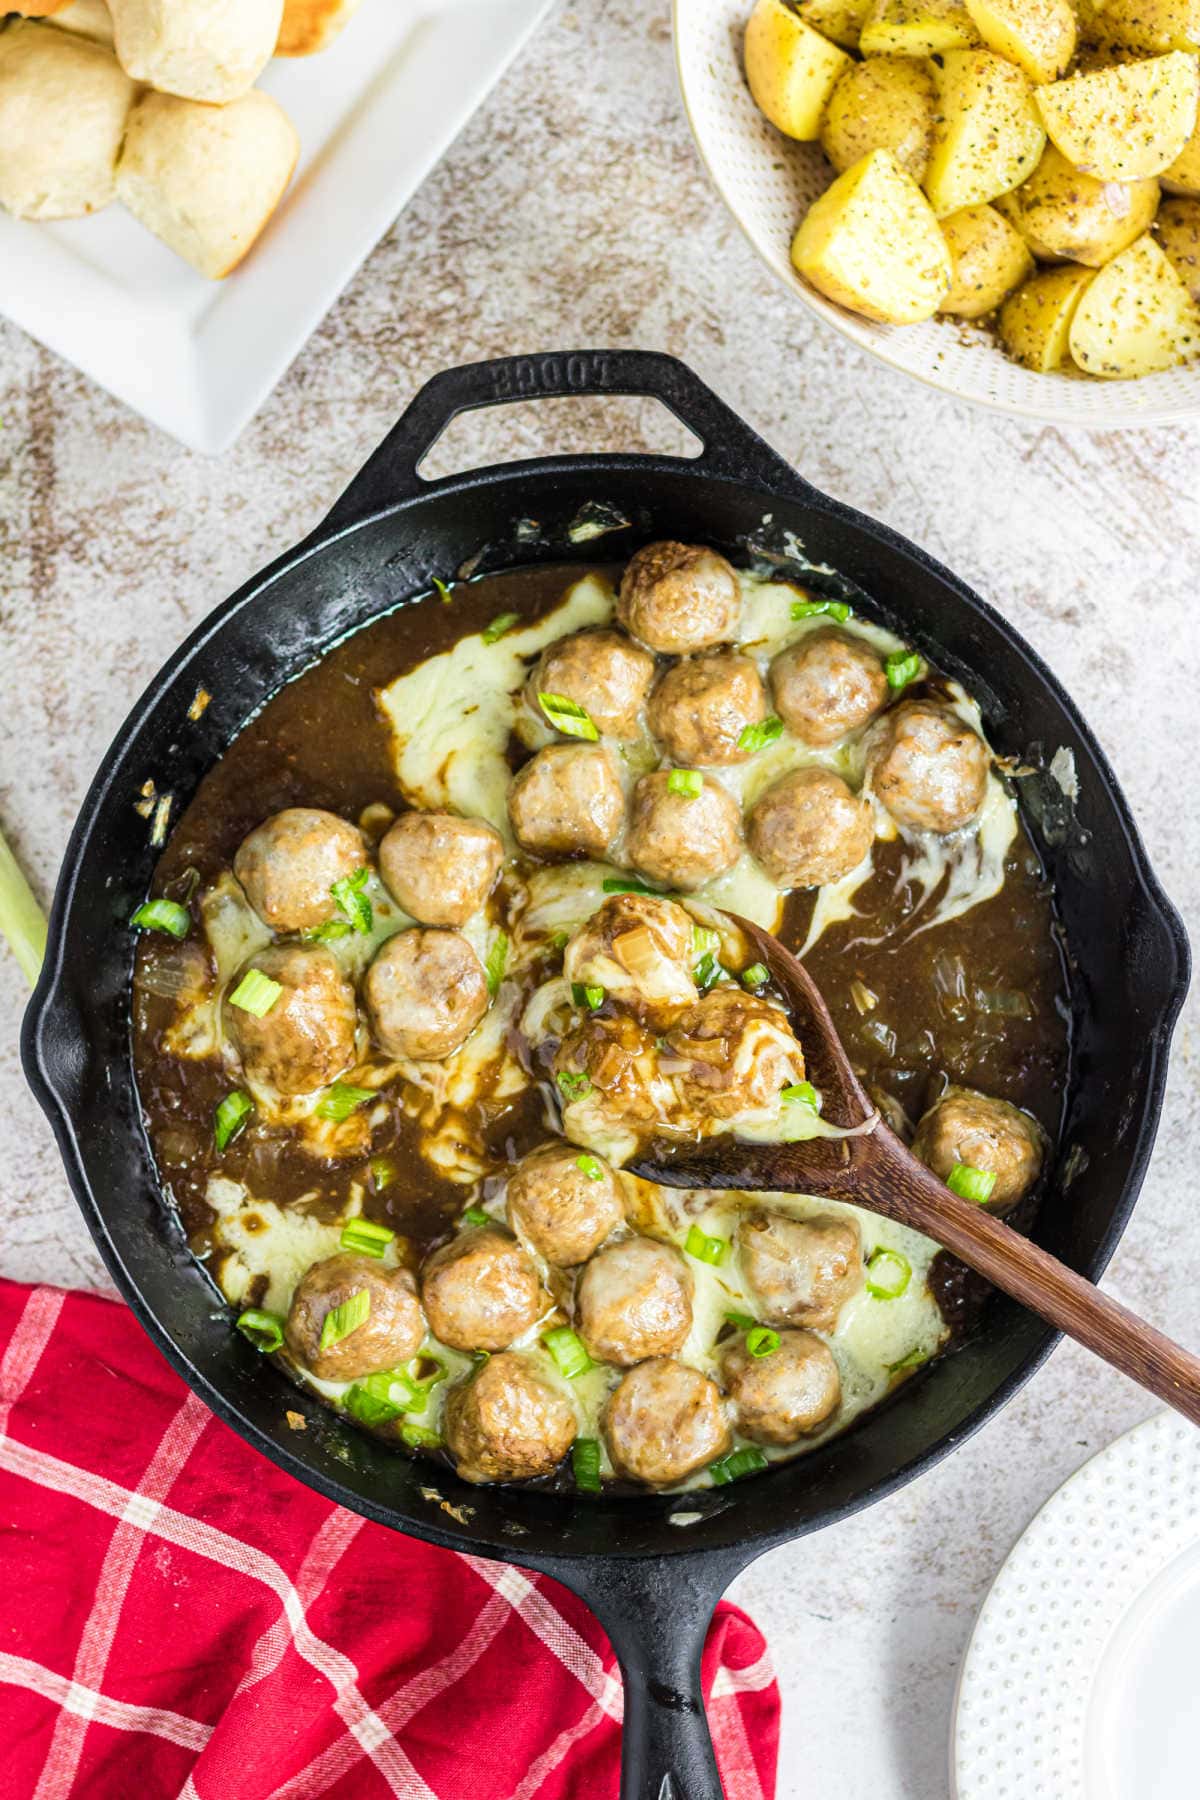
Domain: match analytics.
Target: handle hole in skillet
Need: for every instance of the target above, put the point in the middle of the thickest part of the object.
(631, 424)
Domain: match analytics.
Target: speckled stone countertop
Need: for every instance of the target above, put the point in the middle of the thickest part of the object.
(573, 211)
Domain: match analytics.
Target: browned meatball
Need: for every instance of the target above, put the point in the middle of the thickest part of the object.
(663, 1422)
(802, 1270)
(306, 1039)
(679, 597)
(392, 1332)
(481, 1291)
(739, 1052)
(602, 672)
(567, 801)
(683, 840)
(440, 868)
(928, 768)
(701, 707)
(612, 1063)
(809, 828)
(563, 1203)
(992, 1135)
(634, 1300)
(827, 684)
(426, 992)
(779, 1397)
(508, 1422)
(640, 950)
(290, 863)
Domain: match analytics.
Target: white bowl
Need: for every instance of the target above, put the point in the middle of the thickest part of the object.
(768, 182)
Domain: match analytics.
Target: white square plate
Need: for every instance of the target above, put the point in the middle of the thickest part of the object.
(375, 112)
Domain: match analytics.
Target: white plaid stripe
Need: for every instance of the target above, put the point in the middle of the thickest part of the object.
(547, 1624)
(189, 1734)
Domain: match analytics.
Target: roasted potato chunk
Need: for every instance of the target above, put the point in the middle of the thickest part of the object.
(1124, 123)
(872, 244)
(791, 69)
(884, 103)
(1037, 35)
(1183, 175)
(916, 28)
(1135, 317)
(989, 258)
(1149, 26)
(1067, 216)
(1035, 322)
(841, 20)
(988, 136)
(1178, 230)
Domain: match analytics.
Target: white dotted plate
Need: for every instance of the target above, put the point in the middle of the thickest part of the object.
(1080, 1681)
(768, 182)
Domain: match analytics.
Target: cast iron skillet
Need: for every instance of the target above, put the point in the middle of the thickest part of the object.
(651, 1577)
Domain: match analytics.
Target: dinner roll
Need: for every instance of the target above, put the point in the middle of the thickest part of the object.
(63, 107)
(90, 18)
(311, 25)
(200, 49)
(205, 179)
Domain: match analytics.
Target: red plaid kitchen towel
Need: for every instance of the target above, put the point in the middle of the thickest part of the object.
(179, 1620)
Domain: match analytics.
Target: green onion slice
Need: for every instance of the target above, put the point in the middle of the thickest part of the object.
(368, 1406)
(585, 1464)
(443, 592)
(703, 939)
(733, 1468)
(262, 1329)
(971, 1184)
(341, 1320)
(383, 1172)
(756, 976)
(707, 972)
(350, 899)
(888, 1274)
(568, 716)
(500, 626)
(342, 1099)
(328, 932)
(802, 1093)
(420, 1437)
(475, 1215)
(591, 1166)
(741, 1320)
(496, 962)
(572, 1087)
(915, 1357)
(256, 993)
(366, 1236)
(687, 782)
(762, 1341)
(813, 609)
(163, 915)
(901, 667)
(583, 994)
(705, 1249)
(617, 884)
(754, 738)
(569, 1352)
(231, 1116)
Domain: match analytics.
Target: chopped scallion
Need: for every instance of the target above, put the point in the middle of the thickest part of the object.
(707, 972)
(475, 1215)
(591, 1166)
(369, 1407)
(568, 716)
(915, 1357)
(705, 1249)
(328, 932)
(762, 1341)
(754, 738)
(572, 1087)
(443, 592)
(756, 976)
(689, 783)
(617, 884)
(741, 1320)
(584, 994)
(585, 1464)
(496, 962)
(262, 1329)
(420, 1437)
(569, 1352)
(256, 993)
(351, 900)
(383, 1172)
(802, 1093)
(901, 668)
(342, 1099)
(163, 915)
(732, 1468)
(813, 609)
(365, 1236)
(231, 1116)
(341, 1320)
(500, 626)
(971, 1184)
(703, 939)
(888, 1274)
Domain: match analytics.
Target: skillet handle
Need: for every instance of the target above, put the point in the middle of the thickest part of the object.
(656, 1612)
(731, 449)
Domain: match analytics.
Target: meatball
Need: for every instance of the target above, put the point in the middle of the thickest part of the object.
(809, 828)
(679, 597)
(928, 768)
(966, 1127)
(564, 1204)
(305, 1039)
(612, 1063)
(634, 1300)
(779, 1397)
(481, 1290)
(440, 868)
(701, 707)
(663, 1422)
(802, 1270)
(392, 1332)
(739, 1052)
(683, 840)
(426, 991)
(567, 801)
(827, 684)
(508, 1422)
(602, 672)
(289, 864)
(640, 950)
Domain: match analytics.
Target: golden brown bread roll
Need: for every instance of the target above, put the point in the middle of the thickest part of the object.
(312, 25)
(205, 179)
(200, 49)
(63, 107)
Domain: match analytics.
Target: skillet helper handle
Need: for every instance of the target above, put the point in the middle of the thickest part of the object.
(1043, 1284)
(730, 447)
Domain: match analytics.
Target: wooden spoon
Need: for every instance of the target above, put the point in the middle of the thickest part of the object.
(876, 1171)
